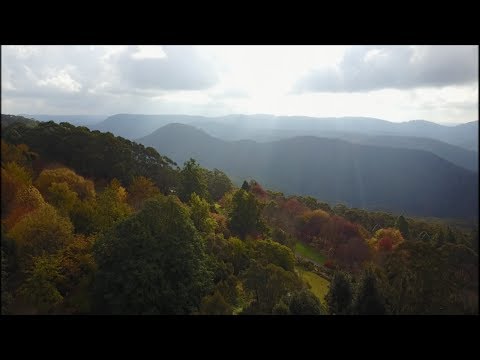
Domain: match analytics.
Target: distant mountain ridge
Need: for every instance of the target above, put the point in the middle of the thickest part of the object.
(78, 120)
(134, 126)
(413, 181)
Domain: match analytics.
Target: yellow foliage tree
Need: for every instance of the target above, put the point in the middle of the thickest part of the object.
(111, 206)
(27, 199)
(42, 231)
(141, 189)
(386, 239)
(14, 177)
(60, 196)
(84, 188)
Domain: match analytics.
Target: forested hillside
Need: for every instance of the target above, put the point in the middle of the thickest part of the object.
(378, 178)
(97, 224)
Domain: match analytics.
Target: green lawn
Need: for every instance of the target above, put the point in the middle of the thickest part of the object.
(319, 285)
(309, 252)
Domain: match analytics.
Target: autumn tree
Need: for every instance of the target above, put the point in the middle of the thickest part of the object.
(42, 231)
(26, 200)
(112, 206)
(84, 188)
(140, 190)
(60, 196)
(13, 179)
(386, 240)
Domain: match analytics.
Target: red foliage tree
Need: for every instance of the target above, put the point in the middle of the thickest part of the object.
(385, 244)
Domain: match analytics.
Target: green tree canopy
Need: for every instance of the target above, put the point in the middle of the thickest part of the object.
(152, 263)
(192, 180)
(245, 216)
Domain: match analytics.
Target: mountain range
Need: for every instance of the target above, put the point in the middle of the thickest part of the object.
(416, 182)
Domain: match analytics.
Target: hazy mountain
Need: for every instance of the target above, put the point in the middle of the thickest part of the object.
(412, 181)
(134, 126)
(78, 120)
(455, 154)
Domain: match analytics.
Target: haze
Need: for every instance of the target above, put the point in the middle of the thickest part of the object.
(395, 83)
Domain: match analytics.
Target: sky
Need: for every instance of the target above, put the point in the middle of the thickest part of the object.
(395, 83)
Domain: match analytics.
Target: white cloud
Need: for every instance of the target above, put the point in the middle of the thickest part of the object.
(149, 52)
(61, 80)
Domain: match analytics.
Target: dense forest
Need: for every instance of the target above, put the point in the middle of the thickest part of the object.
(97, 224)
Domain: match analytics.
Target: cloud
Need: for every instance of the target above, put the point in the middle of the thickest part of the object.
(366, 68)
(84, 76)
(182, 68)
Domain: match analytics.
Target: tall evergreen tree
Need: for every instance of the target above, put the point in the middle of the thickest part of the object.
(192, 181)
(245, 185)
(340, 294)
(245, 215)
(369, 301)
(402, 225)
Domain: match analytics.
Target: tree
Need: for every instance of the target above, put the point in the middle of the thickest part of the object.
(39, 289)
(245, 186)
(78, 184)
(450, 238)
(77, 269)
(215, 304)
(60, 196)
(268, 284)
(305, 303)
(84, 217)
(217, 183)
(153, 262)
(192, 181)
(402, 225)
(6, 296)
(200, 214)
(141, 189)
(111, 206)
(386, 239)
(369, 301)
(42, 231)
(340, 294)
(13, 179)
(245, 215)
(270, 252)
(26, 200)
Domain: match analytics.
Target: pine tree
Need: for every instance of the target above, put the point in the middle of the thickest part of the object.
(402, 225)
(245, 186)
(339, 297)
(369, 301)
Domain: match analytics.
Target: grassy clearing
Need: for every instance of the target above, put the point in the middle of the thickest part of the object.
(319, 285)
(309, 252)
